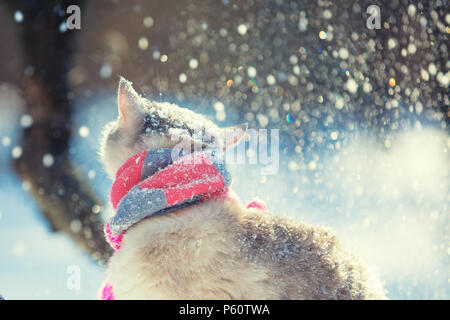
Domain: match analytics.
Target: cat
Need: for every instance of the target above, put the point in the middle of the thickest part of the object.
(217, 248)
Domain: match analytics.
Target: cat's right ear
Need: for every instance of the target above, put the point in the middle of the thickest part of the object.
(128, 105)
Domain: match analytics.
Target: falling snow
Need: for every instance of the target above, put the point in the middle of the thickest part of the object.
(16, 152)
(47, 160)
(26, 121)
(193, 63)
(18, 16)
(84, 131)
(363, 114)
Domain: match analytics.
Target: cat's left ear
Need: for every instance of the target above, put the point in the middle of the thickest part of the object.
(128, 104)
(234, 134)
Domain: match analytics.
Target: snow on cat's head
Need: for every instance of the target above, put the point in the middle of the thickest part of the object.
(144, 124)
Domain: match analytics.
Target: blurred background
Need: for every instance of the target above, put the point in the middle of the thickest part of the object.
(363, 118)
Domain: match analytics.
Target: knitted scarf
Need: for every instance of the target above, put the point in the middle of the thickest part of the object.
(161, 181)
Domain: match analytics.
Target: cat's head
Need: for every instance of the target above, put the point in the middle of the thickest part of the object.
(144, 124)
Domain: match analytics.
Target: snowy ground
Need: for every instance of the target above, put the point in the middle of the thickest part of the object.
(389, 203)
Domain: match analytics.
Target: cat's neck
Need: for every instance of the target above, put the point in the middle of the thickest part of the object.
(211, 214)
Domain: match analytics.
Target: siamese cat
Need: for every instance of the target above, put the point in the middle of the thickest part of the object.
(217, 248)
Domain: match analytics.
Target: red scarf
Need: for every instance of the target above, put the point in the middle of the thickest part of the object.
(160, 181)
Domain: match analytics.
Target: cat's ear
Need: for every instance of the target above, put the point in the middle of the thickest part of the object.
(128, 102)
(233, 135)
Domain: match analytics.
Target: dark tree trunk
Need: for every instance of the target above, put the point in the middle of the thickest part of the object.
(64, 199)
